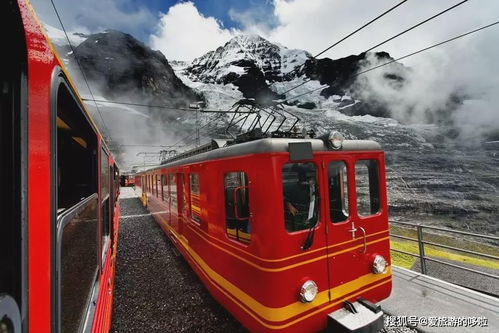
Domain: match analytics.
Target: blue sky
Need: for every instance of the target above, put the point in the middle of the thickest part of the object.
(219, 9)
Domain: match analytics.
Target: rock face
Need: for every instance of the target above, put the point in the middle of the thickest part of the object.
(120, 64)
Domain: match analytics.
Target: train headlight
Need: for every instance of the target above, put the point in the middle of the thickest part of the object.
(308, 291)
(379, 265)
(336, 140)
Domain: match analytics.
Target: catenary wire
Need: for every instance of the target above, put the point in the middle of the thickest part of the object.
(392, 38)
(296, 69)
(81, 69)
(403, 57)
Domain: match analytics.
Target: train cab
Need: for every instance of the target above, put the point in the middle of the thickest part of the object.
(288, 234)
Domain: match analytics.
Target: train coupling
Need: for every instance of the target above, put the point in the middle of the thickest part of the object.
(360, 316)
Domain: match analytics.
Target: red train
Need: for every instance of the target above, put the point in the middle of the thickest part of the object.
(289, 234)
(60, 183)
(127, 180)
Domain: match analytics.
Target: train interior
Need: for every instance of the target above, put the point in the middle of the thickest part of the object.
(12, 155)
(76, 152)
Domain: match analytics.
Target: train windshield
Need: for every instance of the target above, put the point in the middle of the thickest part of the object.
(301, 196)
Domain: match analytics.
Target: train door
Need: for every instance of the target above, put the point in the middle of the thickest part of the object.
(13, 160)
(354, 216)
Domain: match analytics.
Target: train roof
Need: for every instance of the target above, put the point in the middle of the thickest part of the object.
(266, 145)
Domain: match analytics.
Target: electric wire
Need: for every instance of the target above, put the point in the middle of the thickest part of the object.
(392, 38)
(296, 69)
(401, 58)
(81, 68)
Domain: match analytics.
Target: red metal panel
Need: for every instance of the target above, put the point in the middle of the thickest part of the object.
(41, 61)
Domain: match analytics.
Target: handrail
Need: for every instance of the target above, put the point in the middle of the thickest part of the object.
(421, 247)
(448, 230)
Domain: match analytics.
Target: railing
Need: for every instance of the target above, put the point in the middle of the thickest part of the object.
(421, 246)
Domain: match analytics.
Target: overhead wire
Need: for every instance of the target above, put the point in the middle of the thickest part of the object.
(296, 69)
(392, 38)
(81, 68)
(403, 57)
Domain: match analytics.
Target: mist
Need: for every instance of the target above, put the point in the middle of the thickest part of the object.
(454, 85)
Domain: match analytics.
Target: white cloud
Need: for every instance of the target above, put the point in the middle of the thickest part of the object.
(96, 15)
(184, 34)
(315, 24)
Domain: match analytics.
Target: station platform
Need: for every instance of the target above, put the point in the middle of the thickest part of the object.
(433, 305)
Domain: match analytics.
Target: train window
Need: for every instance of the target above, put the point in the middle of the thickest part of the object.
(164, 188)
(77, 250)
(367, 183)
(166, 195)
(301, 196)
(77, 242)
(183, 194)
(104, 183)
(155, 185)
(76, 153)
(338, 191)
(104, 176)
(173, 193)
(195, 199)
(159, 188)
(237, 206)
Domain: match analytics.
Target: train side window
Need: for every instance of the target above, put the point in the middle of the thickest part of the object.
(105, 193)
(164, 188)
(237, 212)
(159, 187)
(183, 194)
(77, 228)
(338, 191)
(195, 197)
(166, 191)
(156, 187)
(301, 196)
(173, 193)
(367, 186)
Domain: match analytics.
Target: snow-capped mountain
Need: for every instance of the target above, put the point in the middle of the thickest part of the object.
(242, 51)
(265, 71)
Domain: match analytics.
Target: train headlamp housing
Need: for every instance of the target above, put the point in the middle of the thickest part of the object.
(379, 264)
(336, 140)
(308, 291)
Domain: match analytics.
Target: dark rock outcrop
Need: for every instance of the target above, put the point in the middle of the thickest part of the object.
(123, 66)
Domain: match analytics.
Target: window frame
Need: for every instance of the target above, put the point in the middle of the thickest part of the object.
(346, 193)
(318, 190)
(378, 180)
(59, 81)
(195, 217)
(244, 242)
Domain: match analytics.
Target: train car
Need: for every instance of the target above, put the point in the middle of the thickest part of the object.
(127, 180)
(60, 186)
(288, 234)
